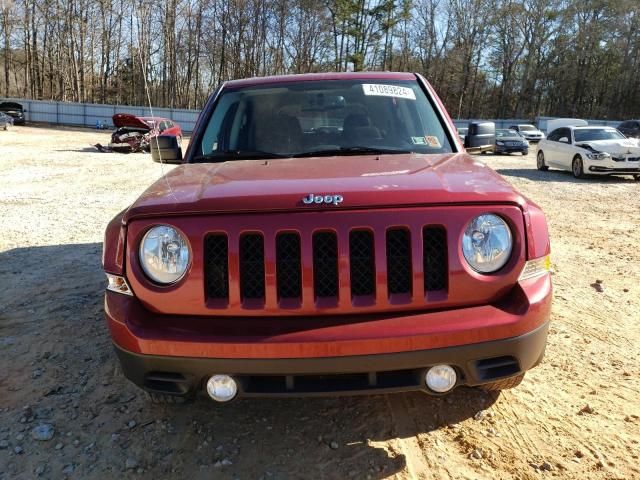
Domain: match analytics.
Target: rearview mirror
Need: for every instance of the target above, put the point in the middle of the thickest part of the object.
(165, 149)
(564, 140)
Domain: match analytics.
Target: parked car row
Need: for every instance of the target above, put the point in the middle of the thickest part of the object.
(489, 139)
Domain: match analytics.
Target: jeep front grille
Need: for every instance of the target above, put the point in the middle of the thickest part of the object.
(339, 266)
(251, 266)
(288, 268)
(398, 261)
(434, 258)
(325, 264)
(216, 267)
(362, 263)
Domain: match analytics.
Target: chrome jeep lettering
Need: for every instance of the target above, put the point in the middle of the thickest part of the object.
(325, 199)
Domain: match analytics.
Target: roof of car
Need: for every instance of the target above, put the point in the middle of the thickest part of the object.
(591, 127)
(246, 82)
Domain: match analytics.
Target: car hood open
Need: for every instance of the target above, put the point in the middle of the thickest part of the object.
(362, 182)
(121, 120)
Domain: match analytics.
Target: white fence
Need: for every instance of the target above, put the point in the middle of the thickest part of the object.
(92, 114)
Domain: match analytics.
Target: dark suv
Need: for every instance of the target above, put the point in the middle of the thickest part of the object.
(630, 128)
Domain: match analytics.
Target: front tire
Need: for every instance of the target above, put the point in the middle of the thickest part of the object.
(540, 162)
(577, 167)
(526, 152)
(504, 384)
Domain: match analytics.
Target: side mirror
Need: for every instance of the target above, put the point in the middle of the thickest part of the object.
(480, 137)
(564, 140)
(165, 149)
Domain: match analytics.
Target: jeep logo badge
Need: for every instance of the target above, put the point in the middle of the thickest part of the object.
(322, 199)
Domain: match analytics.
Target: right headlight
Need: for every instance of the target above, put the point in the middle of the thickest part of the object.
(487, 243)
(164, 254)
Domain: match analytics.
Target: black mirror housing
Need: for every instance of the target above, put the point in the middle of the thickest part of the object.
(165, 149)
(481, 135)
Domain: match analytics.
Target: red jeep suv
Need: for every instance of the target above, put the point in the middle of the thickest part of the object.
(326, 234)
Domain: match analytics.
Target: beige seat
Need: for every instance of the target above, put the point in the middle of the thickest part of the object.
(278, 133)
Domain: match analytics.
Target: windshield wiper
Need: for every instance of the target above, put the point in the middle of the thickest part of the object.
(351, 151)
(221, 156)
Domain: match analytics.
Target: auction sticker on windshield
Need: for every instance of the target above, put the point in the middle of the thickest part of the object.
(380, 90)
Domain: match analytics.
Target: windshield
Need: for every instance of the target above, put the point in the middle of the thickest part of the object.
(507, 133)
(322, 117)
(592, 134)
(527, 128)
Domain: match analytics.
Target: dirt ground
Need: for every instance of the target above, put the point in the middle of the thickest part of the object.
(575, 416)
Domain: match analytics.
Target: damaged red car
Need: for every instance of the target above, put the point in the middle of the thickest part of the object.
(133, 133)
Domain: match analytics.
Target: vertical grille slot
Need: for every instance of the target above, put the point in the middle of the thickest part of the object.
(325, 264)
(398, 261)
(251, 266)
(361, 259)
(434, 257)
(216, 267)
(288, 271)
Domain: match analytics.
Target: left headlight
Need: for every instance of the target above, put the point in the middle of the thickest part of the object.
(487, 243)
(598, 155)
(164, 254)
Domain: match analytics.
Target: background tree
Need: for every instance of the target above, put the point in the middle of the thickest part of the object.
(486, 58)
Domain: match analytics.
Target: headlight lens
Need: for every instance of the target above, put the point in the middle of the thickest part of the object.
(598, 155)
(164, 254)
(499, 142)
(487, 243)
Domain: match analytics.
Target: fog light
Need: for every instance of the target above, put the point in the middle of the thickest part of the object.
(222, 388)
(441, 378)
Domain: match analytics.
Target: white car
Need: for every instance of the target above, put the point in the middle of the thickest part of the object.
(531, 133)
(589, 150)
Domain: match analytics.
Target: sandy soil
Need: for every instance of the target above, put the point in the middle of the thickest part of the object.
(575, 416)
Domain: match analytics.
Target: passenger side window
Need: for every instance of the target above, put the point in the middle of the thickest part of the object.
(565, 135)
(555, 135)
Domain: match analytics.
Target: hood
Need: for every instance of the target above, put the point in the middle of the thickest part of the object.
(121, 120)
(10, 106)
(362, 182)
(511, 138)
(613, 147)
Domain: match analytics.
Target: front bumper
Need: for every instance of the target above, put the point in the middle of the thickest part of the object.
(511, 148)
(18, 119)
(611, 167)
(332, 354)
(475, 364)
